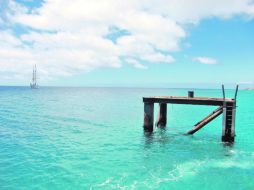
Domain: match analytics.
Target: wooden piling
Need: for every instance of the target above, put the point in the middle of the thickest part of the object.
(190, 94)
(228, 129)
(148, 116)
(162, 115)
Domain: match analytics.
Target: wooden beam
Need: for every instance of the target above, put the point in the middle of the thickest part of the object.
(206, 120)
(186, 100)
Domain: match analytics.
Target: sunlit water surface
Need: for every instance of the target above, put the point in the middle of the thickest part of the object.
(92, 138)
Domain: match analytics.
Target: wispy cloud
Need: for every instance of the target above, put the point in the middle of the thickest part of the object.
(135, 63)
(205, 60)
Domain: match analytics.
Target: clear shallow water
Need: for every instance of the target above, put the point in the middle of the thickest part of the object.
(92, 138)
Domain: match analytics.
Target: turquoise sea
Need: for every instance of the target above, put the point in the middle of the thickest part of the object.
(92, 138)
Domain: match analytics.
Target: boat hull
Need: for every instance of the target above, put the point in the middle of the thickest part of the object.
(34, 86)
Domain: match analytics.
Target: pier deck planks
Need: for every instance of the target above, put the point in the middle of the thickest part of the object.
(187, 100)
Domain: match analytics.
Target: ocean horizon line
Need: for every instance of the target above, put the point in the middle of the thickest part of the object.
(124, 87)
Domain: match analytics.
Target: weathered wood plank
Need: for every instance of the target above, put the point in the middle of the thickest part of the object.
(186, 100)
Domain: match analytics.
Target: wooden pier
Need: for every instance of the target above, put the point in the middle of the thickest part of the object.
(226, 106)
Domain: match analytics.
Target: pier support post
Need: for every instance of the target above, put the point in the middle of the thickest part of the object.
(162, 115)
(228, 129)
(148, 116)
(190, 94)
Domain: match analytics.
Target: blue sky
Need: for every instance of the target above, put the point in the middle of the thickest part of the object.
(110, 44)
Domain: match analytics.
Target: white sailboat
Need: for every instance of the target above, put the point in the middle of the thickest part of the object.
(34, 84)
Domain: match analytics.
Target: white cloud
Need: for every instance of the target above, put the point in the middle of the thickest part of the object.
(8, 39)
(192, 11)
(158, 58)
(68, 37)
(205, 60)
(135, 63)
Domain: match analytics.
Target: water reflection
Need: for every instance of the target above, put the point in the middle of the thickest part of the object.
(175, 138)
(160, 135)
(148, 138)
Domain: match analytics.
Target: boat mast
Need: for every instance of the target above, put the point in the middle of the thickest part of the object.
(33, 84)
(34, 78)
(35, 75)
